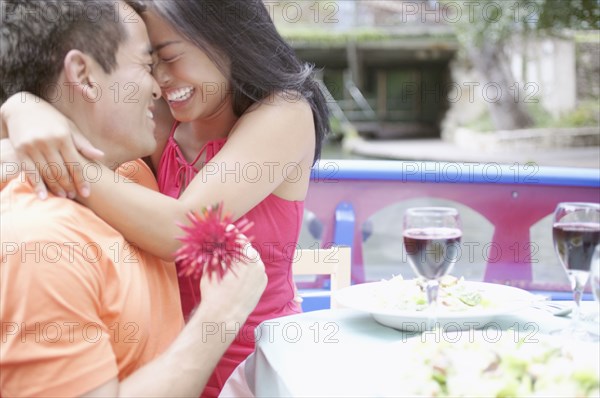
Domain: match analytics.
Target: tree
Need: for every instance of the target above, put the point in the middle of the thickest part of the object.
(485, 28)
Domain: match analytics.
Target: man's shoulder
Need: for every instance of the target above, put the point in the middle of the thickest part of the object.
(26, 218)
(138, 171)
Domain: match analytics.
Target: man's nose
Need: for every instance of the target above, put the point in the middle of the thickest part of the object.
(156, 92)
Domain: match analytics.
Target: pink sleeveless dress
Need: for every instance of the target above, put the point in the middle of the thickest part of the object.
(276, 231)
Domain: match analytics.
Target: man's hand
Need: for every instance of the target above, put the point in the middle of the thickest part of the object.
(236, 295)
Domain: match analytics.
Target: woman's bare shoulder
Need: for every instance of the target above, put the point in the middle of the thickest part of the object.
(283, 110)
(281, 125)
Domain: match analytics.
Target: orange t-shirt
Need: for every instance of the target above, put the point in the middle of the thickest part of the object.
(78, 304)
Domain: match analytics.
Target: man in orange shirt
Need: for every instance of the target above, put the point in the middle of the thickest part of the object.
(83, 313)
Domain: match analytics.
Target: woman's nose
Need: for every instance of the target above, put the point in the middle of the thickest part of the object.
(160, 74)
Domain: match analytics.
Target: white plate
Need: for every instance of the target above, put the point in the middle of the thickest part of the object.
(505, 299)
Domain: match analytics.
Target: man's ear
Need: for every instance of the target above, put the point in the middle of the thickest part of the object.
(80, 70)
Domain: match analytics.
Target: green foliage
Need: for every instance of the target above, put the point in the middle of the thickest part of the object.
(494, 21)
(358, 35)
(570, 14)
(340, 130)
(488, 27)
(488, 22)
(336, 127)
(332, 37)
(483, 123)
(586, 114)
(587, 37)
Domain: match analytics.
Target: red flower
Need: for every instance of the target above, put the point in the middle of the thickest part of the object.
(212, 243)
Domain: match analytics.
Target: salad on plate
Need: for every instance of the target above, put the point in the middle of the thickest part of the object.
(402, 304)
(508, 365)
(410, 295)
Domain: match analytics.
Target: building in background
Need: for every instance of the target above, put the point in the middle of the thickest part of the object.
(395, 69)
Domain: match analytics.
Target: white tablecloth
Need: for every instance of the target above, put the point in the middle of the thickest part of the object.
(344, 353)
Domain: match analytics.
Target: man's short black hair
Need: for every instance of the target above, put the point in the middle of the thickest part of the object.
(36, 35)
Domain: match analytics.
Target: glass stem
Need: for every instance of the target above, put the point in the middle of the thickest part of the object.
(432, 294)
(577, 293)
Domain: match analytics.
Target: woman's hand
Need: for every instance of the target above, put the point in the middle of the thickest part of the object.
(46, 144)
(238, 292)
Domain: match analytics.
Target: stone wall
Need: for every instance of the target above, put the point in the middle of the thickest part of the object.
(545, 69)
(588, 70)
(526, 139)
(581, 79)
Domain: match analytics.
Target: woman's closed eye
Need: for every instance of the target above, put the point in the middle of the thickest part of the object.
(169, 58)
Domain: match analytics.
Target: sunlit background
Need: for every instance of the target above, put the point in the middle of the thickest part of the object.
(453, 70)
(509, 81)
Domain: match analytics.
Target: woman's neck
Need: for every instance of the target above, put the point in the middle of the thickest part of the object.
(192, 136)
(217, 125)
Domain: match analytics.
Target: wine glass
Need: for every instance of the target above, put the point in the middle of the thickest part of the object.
(576, 233)
(431, 240)
(595, 274)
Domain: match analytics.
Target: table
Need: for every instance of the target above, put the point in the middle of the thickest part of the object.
(342, 353)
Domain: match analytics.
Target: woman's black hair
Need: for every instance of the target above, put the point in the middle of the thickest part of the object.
(260, 61)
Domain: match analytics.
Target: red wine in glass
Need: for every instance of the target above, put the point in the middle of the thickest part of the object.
(575, 243)
(431, 239)
(576, 232)
(432, 251)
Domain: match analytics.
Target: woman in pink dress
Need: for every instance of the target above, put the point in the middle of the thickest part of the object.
(245, 126)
